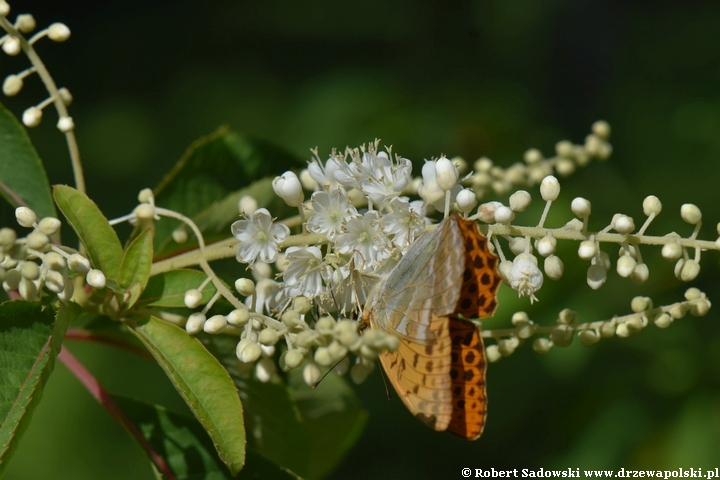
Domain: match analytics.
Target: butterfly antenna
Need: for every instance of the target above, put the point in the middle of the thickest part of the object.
(387, 390)
(314, 385)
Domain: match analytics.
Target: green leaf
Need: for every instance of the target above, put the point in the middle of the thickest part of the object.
(204, 384)
(135, 267)
(23, 180)
(168, 289)
(334, 419)
(30, 339)
(214, 167)
(187, 448)
(92, 228)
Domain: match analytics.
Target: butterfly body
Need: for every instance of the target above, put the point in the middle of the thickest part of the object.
(439, 367)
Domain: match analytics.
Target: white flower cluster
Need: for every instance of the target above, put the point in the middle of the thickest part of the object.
(363, 211)
(32, 262)
(12, 44)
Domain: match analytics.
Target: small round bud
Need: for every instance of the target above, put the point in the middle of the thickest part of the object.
(32, 117)
(245, 286)
(54, 281)
(195, 323)
(676, 311)
(66, 124)
(641, 304)
(238, 317)
(25, 23)
(624, 224)
(264, 370)
(30, 270)
(483, 164)
(652, 205)
(466, 200)
(58, 32)
(554, 267)
(640, 274)
(634, 324)
(302, 305)
(446, 174)
(687, 270)
(144, 211)
(693, 294)
(626, 266)
(65, 96)
(504, 215)
(602, 129)
(549, 188)
(288, 187)
(486, 211)
(622, 331)
(607, 330)
(67, 293)
(7, 237)
(12, 280)
(38, 240)
(533, 156)
(291, 318)
(95, 278)
(247, 205)
(596, 276)
(520, 200)
(581, 207)
(565, 167)
(700, 309)
(146, 195)
(671, 251)
(193, 297)
(567, 317)
(311, 373)
(325, 325)
(338, 351)
(215, 324)
(505, 270)
(507, 346)
(250, 353)
(492, 353)
(179, 235)
(25, 217)
(663, 320)
(4, 8)
(307, 181)
(542, 345)
(564, 148)
(49, 225)
(54, 261)
(690, 214)
(27, 290)
(546, 245)
(12, 85)
(293, 359)
(268, 337)
(78, 263)
(322, 357)
(517, 245)
(11, 46)
(587, 249)
(519, 318)
(261, 270)
(588, 337)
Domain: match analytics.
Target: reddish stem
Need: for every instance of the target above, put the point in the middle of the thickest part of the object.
(107, 402)
(89, 336)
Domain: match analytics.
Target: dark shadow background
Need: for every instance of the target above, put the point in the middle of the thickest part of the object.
(465, 78)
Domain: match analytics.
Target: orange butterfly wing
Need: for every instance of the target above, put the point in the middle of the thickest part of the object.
(439, 368)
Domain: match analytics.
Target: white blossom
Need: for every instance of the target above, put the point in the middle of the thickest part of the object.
(364, 240)
(303, 275)
(258, 236)
(331, 211)
(405, 223)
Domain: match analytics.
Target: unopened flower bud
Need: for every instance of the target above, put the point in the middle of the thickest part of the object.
(250, 353)
(12, 85)
(54, 261)
(215, 324)
(32, 117)
(690, 214)
(268, 336)
(288, 187)
(238, 317)
(293, 359)
(311, 373)
(25, 217)
(95, 278)
(626, 266)
(466, 200)
(520, 200)
(247, 205)
(549, 188)
(581, 207)
(542, 345)
(66, 124)
(49, 225)
(193, 297)
(11, 46)
(38, 240)
(446, 174)
(58, 32)
(78, 263)
(195, 323)
(504, 215)
(245, 286)
(596, 276)
(652, 205)
(587, 249)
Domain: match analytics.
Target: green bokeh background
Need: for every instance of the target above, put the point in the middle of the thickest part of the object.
(468, 78)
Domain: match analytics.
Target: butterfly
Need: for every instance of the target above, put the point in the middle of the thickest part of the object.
(439, 367)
